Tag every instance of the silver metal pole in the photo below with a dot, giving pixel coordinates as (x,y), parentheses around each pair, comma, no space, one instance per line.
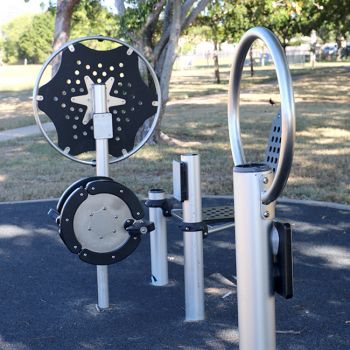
(100,106)
(158,241)
(193,242)
(256,302)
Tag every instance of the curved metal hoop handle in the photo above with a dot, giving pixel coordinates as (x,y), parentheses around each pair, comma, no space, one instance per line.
(287,107)
(68,45)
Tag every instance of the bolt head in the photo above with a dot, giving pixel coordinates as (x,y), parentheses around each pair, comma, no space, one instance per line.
(143,230)
(266,214)
(265,180)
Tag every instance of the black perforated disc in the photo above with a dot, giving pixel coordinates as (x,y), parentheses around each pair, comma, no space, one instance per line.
(274,143)
(66,99)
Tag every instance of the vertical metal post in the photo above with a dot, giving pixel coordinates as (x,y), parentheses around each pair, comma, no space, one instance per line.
(100,106)
(158,241)
(193,242)
(253,221)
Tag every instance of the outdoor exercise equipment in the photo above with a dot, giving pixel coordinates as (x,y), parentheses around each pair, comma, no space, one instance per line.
(99,100)
(263,246)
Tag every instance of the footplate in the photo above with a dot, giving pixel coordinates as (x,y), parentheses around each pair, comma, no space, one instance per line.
(211,214)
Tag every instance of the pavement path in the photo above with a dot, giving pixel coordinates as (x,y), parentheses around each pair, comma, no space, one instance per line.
(31,130)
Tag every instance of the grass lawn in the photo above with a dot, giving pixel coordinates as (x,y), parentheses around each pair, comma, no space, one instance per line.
(196,116)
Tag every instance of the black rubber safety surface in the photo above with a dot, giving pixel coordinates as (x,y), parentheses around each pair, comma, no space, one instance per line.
(48,295)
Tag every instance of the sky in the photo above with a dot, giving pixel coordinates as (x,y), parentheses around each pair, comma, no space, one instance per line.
(14,8)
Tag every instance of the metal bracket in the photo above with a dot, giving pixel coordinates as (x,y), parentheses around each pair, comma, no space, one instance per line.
(138,228)
(195,227)
(267,210)
(103,126)
(164,204)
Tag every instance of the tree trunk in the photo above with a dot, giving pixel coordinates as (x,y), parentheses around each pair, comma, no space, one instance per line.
(167,62)
(251,61)
(64,11)
(216,63)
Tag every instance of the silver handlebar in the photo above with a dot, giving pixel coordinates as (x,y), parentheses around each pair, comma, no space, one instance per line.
(287,107)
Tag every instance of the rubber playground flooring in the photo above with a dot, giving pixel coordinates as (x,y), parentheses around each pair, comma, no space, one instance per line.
(48,295)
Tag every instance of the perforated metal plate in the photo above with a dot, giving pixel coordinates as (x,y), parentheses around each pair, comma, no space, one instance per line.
(211,214)
(67,99)
(274,143)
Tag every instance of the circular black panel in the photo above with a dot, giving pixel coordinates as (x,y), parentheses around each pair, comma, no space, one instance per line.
(78,62)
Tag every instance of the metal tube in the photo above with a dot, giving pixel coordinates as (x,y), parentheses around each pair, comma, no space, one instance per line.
(253,221)
(193,242)
(102,286)
(220,227)
(158,241)
(100,106)
(287,106)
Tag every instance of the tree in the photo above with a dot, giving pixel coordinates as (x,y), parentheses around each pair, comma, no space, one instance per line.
(154,27)
(12,32)
(36,42)
(64,11)
(212,28)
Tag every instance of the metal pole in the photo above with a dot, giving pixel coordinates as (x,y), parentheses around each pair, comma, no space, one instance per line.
(193,242)
(100,106)
(256,302)
(158,241)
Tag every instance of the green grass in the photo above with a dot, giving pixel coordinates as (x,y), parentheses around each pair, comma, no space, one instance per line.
(196,117)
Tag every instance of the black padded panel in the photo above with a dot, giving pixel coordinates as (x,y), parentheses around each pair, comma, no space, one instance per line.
(274,143)
(99,66)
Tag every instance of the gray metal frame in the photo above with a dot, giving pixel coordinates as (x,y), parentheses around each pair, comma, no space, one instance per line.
(193,242)
(255,192)
(37,97)
(287,106)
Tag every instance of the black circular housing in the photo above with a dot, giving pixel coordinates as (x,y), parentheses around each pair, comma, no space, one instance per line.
(86,202)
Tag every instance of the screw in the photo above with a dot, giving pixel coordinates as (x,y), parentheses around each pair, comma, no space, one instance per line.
(104,208)
(266,214)
(114,231)
(89,228)
(265,180)
(101,237)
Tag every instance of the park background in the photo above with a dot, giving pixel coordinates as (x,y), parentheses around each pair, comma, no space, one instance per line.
(190,44)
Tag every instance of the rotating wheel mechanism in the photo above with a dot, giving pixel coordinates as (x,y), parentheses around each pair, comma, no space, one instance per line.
(104,102)
(100,220)
(132,97)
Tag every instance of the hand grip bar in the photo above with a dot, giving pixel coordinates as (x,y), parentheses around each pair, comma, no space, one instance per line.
(287,107)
